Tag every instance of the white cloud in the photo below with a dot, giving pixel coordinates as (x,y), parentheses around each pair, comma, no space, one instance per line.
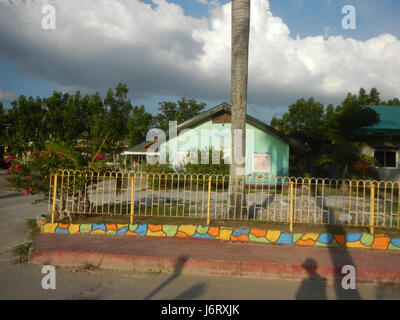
(6,96)
(160,51)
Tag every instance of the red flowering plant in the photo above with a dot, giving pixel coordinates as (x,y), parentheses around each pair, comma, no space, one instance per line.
(30,172)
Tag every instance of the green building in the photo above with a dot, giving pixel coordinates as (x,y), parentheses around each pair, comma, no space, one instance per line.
(385,145)
(267,150)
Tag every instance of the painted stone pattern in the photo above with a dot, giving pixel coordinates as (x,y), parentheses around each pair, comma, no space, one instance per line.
(40,221)
(352,240)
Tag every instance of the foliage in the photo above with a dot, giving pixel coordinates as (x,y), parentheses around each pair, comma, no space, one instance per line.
(139,124)
(63,119)
(30,172)
(3,129)
(181,111)
(21,252)
(27,125)
(159,167)
(69,129)
(118,109)
(210,168)
(331,135)
(84,122)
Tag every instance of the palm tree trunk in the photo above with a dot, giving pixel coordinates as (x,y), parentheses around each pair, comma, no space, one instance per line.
(239,76)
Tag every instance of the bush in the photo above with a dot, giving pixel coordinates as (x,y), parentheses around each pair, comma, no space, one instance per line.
(30,172)
(210,168)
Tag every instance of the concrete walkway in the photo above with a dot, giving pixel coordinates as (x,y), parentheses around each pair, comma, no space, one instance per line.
(15,209)
(212,257)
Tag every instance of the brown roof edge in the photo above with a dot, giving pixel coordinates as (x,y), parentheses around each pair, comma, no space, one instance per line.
(150,143)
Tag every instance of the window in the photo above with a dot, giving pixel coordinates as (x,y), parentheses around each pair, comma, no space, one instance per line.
(386,158)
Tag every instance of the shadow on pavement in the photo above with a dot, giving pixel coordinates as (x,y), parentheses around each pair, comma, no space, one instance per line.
(314,287)
(180,263)
(340,257)
(12,195)
(387,292)
(193,292)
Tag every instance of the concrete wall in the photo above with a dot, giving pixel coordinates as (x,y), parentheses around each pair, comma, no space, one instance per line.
(351,240)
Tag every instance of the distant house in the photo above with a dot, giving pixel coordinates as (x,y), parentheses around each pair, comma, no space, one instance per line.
(267,150)
(386,145)
(135,157)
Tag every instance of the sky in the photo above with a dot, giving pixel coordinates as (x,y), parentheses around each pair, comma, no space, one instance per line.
(167,49)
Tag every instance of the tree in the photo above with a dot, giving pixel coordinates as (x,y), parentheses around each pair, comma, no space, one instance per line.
(94,117)
(27,125)
(392,102)
(63,119)
(118,109)
(2,134)
(332,135)
(239,77)
(305,122)
(343,130)
(2,124)
(181,111)
(138,125)
(374,97)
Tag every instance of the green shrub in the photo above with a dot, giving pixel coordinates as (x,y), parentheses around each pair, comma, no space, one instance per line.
(210,168)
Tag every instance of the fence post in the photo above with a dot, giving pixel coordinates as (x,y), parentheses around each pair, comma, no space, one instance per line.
(132,198)
(291,206)
(53,210)
(209,201)
(372,205)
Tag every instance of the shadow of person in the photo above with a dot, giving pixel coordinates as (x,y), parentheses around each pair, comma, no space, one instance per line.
(193,292)
(340,257)
(313,287)
(178,267)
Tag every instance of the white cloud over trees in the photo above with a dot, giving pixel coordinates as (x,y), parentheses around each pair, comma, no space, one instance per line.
(158,50)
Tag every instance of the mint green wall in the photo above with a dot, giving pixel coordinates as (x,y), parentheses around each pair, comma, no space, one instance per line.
(263,143)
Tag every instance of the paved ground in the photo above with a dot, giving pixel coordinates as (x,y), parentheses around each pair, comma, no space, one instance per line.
(15,208)
(24,282)
(199,256)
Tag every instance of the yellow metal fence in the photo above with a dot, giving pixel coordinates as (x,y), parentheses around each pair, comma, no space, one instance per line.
(259,198)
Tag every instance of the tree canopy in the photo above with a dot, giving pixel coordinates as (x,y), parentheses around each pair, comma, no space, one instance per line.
(84,122)
(331,134)
(181,111)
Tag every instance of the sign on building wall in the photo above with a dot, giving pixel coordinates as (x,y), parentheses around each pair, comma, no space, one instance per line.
(261,163)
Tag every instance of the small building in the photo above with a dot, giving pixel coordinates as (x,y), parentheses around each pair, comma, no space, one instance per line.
(135,158)
(267,150)
(385,145)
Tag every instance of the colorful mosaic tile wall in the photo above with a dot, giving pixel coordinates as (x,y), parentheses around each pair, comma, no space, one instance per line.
(353,240)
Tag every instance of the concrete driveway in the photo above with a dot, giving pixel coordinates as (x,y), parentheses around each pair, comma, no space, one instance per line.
(15,208)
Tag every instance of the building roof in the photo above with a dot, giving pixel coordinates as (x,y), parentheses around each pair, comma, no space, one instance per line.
(389,119)
(249,119)
(140,149)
